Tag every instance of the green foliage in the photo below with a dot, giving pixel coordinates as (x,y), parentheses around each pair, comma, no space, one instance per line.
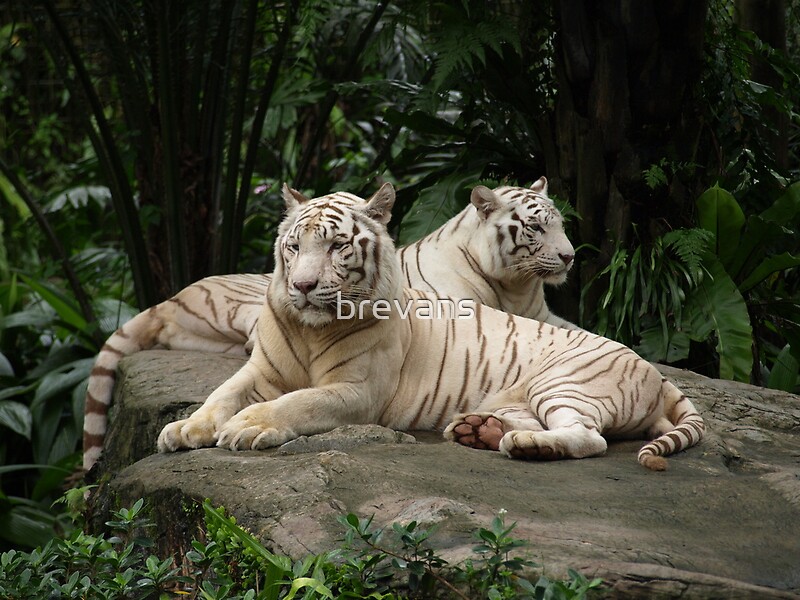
(47,348)
(231,564)
(494,573)
(756,255)
(647,291)
(708,286)
(464,40)
(82,565)
(740,113)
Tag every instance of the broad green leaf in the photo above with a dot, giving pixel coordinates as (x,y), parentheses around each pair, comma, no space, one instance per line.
(22,527)
(436,205)
(66,308)
(785,371)
(6,370)
(112,314)
(319,588)
(771,265)
(654,346)
(717,305)
(17,417)
(420,122)
(11,196)
(51,480)
(719,213)
(16,390)
(786,208)
(29,466)
(65,378)
(33,317)
(756,244)
(247,540)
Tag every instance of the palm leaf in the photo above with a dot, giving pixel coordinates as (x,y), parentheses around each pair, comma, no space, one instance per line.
(717,305)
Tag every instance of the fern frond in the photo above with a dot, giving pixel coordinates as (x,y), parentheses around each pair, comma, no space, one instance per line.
(690,245)
(496,32)
(462,41)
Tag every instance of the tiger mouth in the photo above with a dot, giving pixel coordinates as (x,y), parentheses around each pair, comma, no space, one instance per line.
(311,305)
(557,275)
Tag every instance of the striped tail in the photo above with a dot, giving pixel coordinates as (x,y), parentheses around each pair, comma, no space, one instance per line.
(683,428)
(140,333)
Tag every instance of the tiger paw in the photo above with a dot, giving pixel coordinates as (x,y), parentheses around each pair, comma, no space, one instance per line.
(188,433)
(532,445)
(482,431)
(246,431)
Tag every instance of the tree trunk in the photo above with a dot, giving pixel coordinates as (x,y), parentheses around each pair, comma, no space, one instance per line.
(767,19)
(624,72)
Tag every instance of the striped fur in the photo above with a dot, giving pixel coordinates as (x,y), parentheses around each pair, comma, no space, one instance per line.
(499,251)
(217,314)
(552,393)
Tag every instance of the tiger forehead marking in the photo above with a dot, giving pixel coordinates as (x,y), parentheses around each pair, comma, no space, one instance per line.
(330,249)
(529,234)
(324,215)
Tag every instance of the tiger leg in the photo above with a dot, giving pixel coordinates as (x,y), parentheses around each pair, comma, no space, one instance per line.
(203,427)
(568,434)
(484,430)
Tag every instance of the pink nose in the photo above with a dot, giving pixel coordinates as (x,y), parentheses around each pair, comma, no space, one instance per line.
(305,286)
(567,258)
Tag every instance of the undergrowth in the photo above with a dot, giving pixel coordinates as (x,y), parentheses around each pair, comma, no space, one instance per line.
(390,564)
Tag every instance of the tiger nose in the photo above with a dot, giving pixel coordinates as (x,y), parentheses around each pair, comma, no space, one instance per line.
(567,258)
(305,286)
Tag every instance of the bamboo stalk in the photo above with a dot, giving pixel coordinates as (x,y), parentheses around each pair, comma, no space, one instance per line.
(109,156)
(168,78)
(258,124)
(226,258)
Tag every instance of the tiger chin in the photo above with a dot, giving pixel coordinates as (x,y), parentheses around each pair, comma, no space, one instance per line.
(498,382)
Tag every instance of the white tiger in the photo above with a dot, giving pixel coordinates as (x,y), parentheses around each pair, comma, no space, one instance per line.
(498,251)
(516,385)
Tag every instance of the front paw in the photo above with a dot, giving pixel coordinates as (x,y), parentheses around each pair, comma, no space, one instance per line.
(188,433)
(246,431)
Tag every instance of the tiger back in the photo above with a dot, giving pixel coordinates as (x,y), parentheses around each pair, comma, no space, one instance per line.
(500,251)
(411,360)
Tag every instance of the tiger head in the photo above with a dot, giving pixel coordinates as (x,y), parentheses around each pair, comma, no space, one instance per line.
(523,233)
(331,247)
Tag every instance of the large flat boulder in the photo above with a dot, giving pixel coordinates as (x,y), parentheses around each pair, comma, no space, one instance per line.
(722,522)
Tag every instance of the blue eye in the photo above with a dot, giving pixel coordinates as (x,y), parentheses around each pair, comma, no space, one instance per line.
(292,246)
(536,227)
(336,246)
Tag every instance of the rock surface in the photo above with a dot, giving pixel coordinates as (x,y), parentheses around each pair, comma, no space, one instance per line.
(722,522)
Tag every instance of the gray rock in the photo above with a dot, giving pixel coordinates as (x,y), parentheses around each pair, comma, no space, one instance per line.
(722,522)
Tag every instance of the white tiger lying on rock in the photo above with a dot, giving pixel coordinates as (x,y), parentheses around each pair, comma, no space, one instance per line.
(552,393)
(499,251)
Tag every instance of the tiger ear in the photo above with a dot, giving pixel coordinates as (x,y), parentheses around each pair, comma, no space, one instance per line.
(292,198)
(485,200)
(540,186)
(379,205)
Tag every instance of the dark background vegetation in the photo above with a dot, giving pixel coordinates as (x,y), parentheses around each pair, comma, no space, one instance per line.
(144,143)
